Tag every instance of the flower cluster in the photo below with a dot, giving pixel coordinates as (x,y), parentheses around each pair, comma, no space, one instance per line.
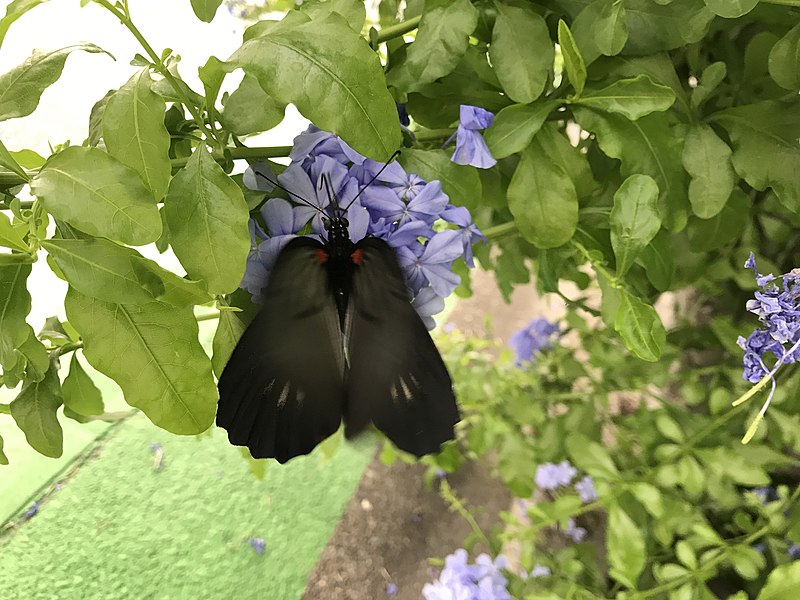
(461,581)
(257,544)
(550,476)
(778,309)
(399,207)
(532,339)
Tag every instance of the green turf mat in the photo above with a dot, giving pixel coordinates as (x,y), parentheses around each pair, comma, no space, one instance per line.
(121,529)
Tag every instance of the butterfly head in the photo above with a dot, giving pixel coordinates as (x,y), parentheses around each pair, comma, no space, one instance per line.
(336,227)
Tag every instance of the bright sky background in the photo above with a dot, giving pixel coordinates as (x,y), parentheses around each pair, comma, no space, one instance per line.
(63,113)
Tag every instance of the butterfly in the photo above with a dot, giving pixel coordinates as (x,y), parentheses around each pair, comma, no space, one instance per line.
(336,339)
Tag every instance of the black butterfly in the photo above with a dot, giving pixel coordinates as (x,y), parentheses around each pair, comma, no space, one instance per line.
(336,339)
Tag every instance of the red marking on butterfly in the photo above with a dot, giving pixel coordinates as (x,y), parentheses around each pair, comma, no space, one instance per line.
(357,256)
(322,256)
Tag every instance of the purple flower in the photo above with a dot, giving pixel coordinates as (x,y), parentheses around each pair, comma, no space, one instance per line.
(765,494)
(573,532)
(540,571)
(532,339)
(794,551)
(471,149)
(550,476)
(259,176)
(257,544)
(778,310)
(470,234)
(391,590)
(585,489)
(461,581)
(426,206)
(427,304)
(433,263)
(31,512)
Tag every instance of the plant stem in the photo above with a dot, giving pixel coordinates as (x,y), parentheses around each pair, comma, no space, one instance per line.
(62,350)
(456,505)
(388,33)
(5,409)
(498,231)
(125,19)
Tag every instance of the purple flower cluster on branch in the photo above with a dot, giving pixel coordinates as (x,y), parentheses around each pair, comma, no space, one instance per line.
(532,339)
(462,581)
(471,148)
(398,207)
(778,310)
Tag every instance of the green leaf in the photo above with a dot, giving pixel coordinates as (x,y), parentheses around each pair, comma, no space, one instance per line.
(782,583)
(10,260)
(632,98)
(723,228)
(461,183)
(521,51)
(80,393)
(610,30)
(557,147)
(229,329)
(11,236)
(634,219)
(15,304)
(205,9)
(648,146)
(573,61)
(784,60)
(441,41)
(178,290)
(211,75)
(650,497)
(207,219)
(333,78)
(731,9)
(708,160)
(657,260)
(134,132)
(97,194)
(712,76)
(353,11)
(22,86)
(625,547)
(14,11)
(766,152)
(514,127)
(3,457)
(36,357)
(669,428)
(163,370)
(28,159)
(640,327)
(96,119)
(736,465)
(105,270)
(249,109)
(542,198)
(654,27)
(591,457)
(7,161)
(34,411)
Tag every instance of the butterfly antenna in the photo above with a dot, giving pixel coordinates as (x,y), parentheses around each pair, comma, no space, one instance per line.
(331,196)
(369,183)
(296,197)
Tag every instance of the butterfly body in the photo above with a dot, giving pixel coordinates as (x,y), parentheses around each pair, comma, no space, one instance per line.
(336,340)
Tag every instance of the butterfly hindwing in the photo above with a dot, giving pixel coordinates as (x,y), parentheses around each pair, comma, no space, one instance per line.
(396,377)
(282,391)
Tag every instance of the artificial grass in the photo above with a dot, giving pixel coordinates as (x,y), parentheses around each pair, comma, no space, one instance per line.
(121,529)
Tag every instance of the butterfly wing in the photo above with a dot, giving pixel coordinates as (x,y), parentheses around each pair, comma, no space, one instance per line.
(282,391)
(396,377)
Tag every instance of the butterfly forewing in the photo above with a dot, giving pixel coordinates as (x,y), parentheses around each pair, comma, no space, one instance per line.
(282,391)
(397,378)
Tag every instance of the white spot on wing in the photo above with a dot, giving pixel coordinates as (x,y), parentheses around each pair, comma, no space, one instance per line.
(284,395)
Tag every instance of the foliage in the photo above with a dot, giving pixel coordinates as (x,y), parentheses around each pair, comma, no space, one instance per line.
(644,147)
